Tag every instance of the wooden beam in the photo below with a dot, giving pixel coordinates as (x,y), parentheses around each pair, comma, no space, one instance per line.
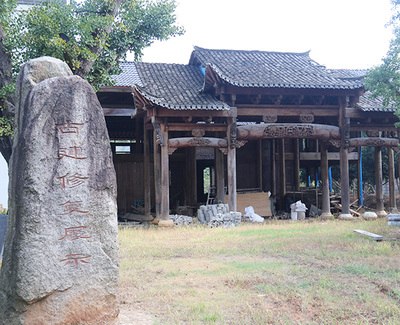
(331,156)
(368,126)
(197,142)
(165,112)
(192,126)
(373,142)
(287,130)
(285,110)
(119,111)
(353,112)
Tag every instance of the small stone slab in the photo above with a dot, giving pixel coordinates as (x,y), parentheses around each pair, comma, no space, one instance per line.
(369,215)
(369,234)
(394,223)
(3,229)
(393,217)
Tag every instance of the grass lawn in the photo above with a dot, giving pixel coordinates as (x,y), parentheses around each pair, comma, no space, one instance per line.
(317,272)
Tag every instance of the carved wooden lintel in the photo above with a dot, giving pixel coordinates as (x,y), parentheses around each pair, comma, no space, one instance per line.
(197,142)
(373,133)
(288,130)
(373,142)
(306,118)
(270,118)
(159,136)
(198,133)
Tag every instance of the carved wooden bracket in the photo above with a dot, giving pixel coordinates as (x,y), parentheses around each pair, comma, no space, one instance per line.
(335,143)
(159,136)
(306,118)
(240,143)
(198,133)
(373,133)
(171,150)
(224,150)
(270,118)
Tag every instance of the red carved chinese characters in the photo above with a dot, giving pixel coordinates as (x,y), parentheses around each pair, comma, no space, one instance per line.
(69,127)
(70,207)
(73,260)
(71,152)
(74,233)
(71,181)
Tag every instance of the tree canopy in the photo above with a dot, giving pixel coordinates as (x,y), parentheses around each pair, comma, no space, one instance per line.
(384,80)
(91,36)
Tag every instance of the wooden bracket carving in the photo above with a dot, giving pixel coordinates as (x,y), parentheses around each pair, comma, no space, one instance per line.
(270,118)
(335,143)
(171,150)
(159,136)
(373,133)
(224,150)
(232,135)
(198,133)
(306,118)
(240,143)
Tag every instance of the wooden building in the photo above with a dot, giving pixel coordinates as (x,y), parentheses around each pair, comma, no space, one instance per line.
(252,119)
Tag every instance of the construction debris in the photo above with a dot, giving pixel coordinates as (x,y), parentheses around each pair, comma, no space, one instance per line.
(369,234)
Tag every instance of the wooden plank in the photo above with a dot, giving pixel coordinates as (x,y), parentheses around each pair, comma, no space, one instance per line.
(369,234)
(259,201)
(118,111)
(248,110)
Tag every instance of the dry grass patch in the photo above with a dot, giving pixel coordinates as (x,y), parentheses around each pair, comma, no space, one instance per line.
(273,273)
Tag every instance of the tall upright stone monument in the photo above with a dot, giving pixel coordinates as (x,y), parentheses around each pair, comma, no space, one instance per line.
(60,263)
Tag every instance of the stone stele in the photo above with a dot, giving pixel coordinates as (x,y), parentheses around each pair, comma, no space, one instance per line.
(60,263)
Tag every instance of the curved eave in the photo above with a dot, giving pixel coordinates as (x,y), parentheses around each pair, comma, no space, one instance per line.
(213,74)
(162,102)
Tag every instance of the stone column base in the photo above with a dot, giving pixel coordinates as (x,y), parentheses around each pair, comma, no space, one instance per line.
(156,221)
(326,216)
(346,216)
(166,223)
(381,214)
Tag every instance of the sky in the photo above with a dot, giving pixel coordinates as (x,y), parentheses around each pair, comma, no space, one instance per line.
(341,34)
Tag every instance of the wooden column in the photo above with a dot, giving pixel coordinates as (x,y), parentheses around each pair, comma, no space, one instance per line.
(220,175)
(157,176)
(147,192)
(273,168)
(344,161)
(380,209)
(231,162)
(296,165)
(191,177)
(326,205)
(165,221)
(359,176)
(392,191)
(282,174)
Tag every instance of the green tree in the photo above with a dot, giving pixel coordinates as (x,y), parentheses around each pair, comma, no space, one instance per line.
(384,80)
(91,36)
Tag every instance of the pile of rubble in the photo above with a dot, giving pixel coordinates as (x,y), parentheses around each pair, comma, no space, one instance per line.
(181,220)
(218,215)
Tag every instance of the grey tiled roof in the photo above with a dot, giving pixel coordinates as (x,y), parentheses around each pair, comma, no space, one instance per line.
(271,69)
(369,104)
(175,86)
(129,75)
